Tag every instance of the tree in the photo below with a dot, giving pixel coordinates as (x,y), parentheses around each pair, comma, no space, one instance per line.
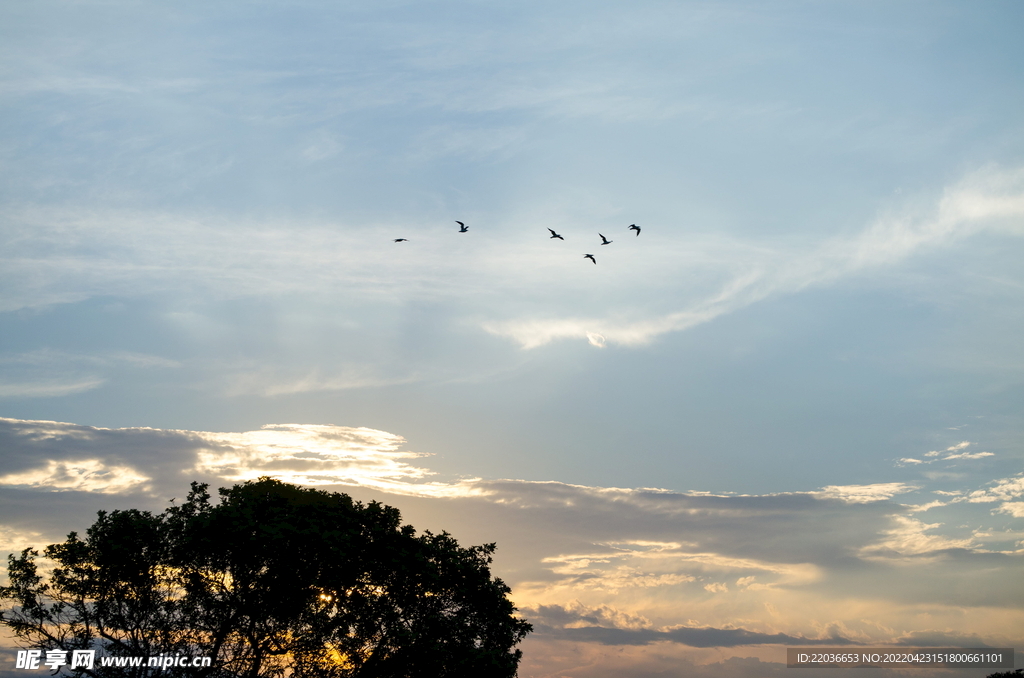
(274,580)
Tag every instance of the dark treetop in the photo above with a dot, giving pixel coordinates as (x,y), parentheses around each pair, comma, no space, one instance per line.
(273,580)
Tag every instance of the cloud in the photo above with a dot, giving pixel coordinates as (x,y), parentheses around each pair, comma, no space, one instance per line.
(83,475)
(969,455)
(908,538)
(596,566)
(861,494)
(1013,508)
(936,638)
(13,539)
(271,382)
(951,448)
(951,453)
(321,455)
(920,508)
(599,625)
(989,199)
(48,388)
(54,256)
(1003,489)
(48,373)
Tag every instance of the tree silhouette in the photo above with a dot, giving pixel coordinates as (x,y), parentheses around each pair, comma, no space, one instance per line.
(273,580)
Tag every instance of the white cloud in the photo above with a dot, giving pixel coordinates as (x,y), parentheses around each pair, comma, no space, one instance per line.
(638,565)
(84,475)
(953,452)
(1004,489)
(321,455)
(952,448)
(969,455)
(929,506)
(861,494)
(1013,508)
(908,538)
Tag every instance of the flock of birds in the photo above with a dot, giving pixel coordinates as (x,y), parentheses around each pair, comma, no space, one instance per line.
(604,241)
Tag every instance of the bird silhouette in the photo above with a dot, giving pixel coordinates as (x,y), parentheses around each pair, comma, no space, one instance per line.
(555,235)
(462,226)
(634,227)
(604,240)
(591,257)
(401,240)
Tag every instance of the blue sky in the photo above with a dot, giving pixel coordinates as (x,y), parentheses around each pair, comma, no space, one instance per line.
(824,303)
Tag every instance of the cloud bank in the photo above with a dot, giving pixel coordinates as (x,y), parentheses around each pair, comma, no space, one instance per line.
(594,567)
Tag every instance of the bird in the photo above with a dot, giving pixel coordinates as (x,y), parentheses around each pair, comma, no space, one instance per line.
(462,226)
(591,257)
(634,227)
(555,235)
(605,241)
(401,240)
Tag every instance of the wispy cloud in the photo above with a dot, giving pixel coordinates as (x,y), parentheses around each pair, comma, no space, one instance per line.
(952,453)
(271,382)
(52,256)
(48,373)
(988,199)
(48,388)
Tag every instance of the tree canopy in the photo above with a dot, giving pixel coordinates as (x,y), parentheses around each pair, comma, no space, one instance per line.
(272,580)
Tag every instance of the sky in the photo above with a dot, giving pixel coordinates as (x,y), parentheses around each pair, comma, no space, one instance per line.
(790,410)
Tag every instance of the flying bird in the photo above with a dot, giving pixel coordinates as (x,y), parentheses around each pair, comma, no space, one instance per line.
(604,240)
(634,227)
(591,257)
(462,226)
(401,240)
(555,235)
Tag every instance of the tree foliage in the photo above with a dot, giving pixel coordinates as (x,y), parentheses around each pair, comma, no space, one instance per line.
(274,580)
